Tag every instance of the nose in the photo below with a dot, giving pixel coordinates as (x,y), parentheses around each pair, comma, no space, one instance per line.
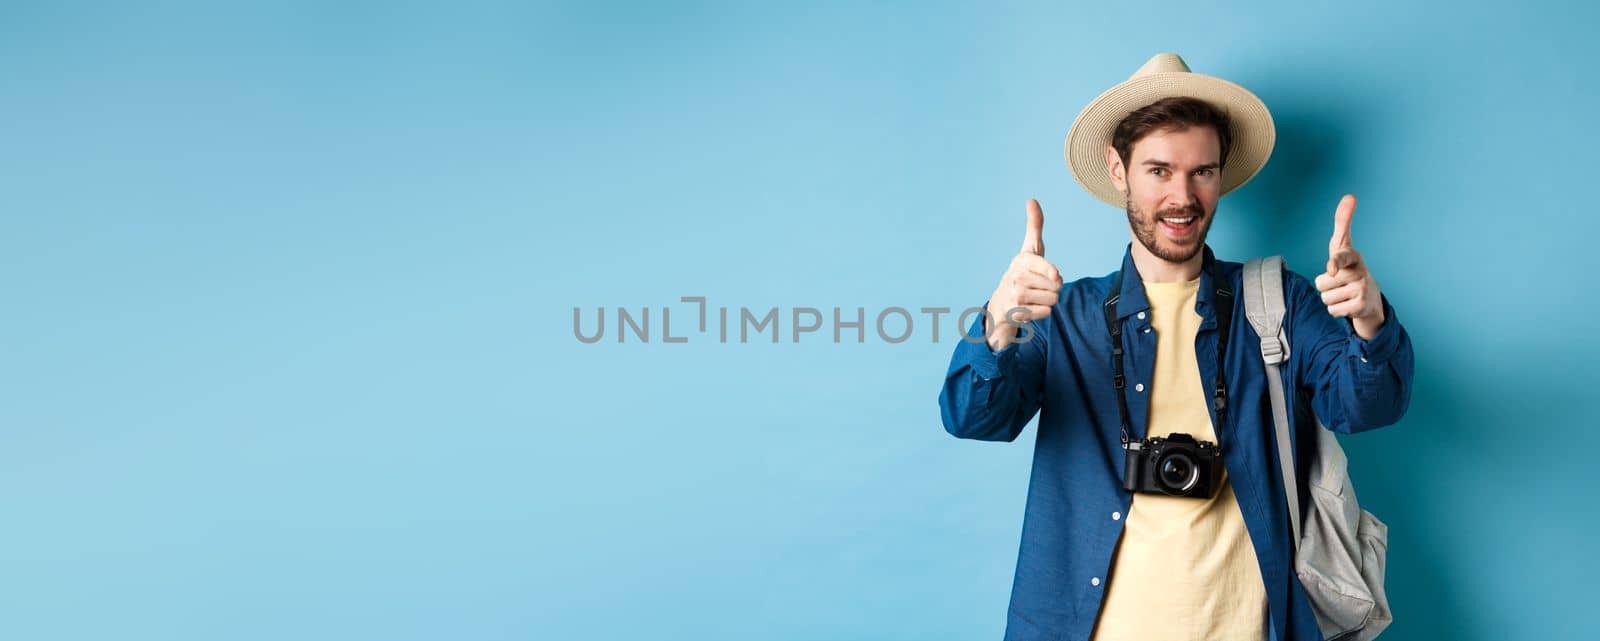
(1183,194)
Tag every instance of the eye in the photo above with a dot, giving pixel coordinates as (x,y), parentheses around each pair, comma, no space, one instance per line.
(1203,172)
(1159,171)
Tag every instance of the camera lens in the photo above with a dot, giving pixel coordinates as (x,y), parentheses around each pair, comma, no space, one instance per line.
(1178,473)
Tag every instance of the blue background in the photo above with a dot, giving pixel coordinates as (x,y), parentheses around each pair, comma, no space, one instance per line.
(288,288)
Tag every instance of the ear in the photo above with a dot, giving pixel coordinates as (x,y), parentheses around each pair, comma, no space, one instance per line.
(1119,177)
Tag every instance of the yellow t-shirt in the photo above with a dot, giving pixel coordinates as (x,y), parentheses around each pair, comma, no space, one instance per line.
(1184,568)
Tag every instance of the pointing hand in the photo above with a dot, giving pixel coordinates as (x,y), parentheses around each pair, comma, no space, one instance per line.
(1347,287)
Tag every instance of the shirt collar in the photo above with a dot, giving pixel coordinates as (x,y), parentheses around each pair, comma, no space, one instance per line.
(1132,299)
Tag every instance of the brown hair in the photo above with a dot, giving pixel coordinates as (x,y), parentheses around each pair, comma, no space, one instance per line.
(1175,114)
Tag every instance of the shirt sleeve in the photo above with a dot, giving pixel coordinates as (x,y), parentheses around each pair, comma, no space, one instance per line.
(988,395)
(1355,384)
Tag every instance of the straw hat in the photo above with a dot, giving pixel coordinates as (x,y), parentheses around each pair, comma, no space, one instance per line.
(1166,75)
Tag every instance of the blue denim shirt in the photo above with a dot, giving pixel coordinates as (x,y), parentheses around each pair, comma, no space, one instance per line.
(1063,372)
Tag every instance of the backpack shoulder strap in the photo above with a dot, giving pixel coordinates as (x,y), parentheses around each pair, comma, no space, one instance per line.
(1263,304)
(1263,278)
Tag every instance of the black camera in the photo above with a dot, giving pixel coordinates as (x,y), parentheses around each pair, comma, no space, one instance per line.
(1177,465)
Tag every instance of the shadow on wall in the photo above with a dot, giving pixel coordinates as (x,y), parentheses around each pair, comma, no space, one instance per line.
(1395,484)
(1290,211)
(1286,211)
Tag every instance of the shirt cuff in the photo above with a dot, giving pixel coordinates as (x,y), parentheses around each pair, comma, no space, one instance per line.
(1383,344)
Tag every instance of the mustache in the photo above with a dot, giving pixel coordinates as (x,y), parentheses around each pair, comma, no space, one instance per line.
(1180,212)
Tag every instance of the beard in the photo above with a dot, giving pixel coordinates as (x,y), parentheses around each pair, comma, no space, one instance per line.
(1145,229)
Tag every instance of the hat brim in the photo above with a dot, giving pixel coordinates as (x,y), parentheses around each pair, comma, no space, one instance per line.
(1090,135)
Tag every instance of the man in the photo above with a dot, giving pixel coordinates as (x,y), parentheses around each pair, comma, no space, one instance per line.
(1097,559)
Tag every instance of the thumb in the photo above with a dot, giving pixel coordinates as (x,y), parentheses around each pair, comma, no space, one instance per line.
(1341,224)
(1033,242)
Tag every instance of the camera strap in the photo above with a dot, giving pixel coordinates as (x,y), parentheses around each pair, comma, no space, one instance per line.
(1223,304)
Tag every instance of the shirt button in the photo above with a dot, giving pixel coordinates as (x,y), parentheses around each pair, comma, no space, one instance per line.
(1139,387)
(1094,581)
(1363,359)
(1141,315)
(1116,516)
(1147,330)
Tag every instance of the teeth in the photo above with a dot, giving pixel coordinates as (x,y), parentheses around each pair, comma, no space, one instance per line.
(1179,221)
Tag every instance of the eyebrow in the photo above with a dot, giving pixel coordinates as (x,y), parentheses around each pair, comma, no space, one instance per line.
(1163,163)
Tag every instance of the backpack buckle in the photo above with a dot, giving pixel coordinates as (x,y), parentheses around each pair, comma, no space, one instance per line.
(1275,349)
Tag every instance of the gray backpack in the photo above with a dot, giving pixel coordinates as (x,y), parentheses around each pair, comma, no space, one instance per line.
(1341,554)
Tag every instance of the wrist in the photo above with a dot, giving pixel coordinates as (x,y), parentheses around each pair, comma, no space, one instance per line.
(1367,327)
(997,332)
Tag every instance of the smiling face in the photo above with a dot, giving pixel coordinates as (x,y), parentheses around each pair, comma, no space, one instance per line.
(1172,181)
